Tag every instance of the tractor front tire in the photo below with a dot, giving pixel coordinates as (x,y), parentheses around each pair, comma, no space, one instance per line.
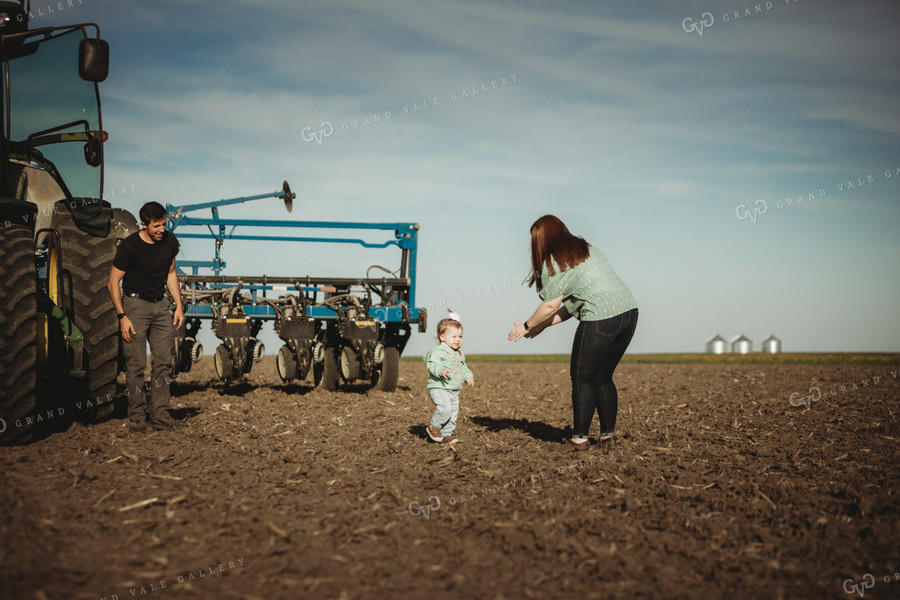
(18,335)
(88,259)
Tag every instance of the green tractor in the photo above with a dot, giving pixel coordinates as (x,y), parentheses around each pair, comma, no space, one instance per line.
(59,342)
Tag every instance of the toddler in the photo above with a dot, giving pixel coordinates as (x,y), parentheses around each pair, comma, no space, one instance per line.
(447,371)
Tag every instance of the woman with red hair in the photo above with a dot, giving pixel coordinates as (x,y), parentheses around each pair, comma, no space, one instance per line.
(574,279)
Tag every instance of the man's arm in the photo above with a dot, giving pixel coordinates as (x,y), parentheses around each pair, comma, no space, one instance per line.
(175,292)
(115,293)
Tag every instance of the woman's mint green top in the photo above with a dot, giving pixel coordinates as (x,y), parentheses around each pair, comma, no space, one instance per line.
(591,290)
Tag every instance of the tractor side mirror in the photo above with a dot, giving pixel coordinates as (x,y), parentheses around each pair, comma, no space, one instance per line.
(93,152)
(93,59)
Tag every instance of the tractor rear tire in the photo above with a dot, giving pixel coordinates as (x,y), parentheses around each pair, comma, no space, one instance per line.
(88,259)
(390,370)
(18,335)
(327,372)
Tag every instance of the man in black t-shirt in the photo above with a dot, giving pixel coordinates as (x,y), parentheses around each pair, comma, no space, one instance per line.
(146,261)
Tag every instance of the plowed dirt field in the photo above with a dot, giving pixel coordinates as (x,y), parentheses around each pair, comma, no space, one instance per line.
(721,487)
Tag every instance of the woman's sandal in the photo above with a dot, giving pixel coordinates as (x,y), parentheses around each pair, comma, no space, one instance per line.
(607,444)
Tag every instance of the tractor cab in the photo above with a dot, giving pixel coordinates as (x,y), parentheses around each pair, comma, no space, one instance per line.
(52,140)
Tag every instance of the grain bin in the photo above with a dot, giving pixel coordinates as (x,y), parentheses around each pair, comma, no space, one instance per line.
(741,345)
(716,345)
(771,345)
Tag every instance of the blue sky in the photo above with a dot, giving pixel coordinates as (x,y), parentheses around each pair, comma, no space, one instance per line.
(646,137)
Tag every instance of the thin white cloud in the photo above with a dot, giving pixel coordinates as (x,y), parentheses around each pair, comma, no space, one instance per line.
(615,108)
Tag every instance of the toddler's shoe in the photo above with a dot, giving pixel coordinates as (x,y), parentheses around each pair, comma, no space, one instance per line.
(434,434)
(449,439)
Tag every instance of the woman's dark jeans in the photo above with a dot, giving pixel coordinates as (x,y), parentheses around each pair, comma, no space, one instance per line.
(596,351)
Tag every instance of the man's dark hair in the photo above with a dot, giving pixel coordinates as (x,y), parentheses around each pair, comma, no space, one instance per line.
(152,211)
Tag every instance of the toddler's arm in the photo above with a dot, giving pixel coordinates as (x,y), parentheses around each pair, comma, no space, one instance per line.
(435,365)
(466,373)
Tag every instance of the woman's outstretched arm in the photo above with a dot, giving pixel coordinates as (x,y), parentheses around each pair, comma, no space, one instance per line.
(561,315)
(544,312)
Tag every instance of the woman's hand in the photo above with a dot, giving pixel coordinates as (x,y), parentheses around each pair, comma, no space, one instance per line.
(544,315)
(517,332)
(537,329)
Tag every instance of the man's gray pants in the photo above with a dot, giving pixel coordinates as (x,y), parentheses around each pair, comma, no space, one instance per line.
(152,322)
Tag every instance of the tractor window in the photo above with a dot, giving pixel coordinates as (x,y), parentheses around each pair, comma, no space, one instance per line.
(46,93)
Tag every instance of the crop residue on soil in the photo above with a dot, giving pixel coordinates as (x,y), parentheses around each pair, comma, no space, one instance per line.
(721,486)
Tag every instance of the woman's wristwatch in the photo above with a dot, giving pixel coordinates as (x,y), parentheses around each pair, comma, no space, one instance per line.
(525,324)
